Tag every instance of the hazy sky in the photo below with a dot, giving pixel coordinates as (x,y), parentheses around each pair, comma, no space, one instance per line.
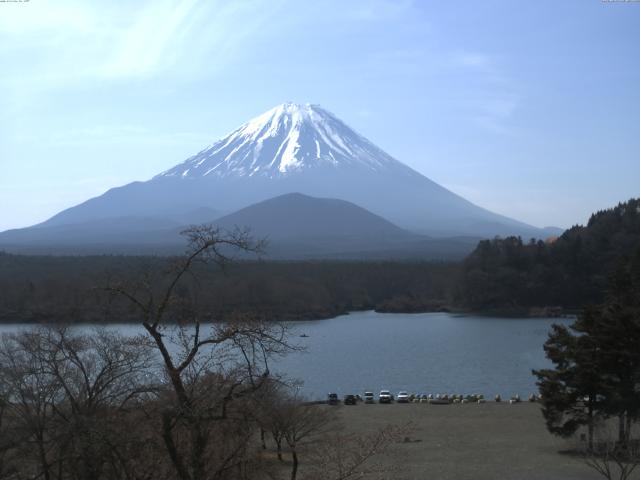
(529,108)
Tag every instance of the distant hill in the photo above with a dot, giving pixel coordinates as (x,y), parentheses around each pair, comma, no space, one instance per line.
(297,216)
(571,271)
(296,226)
(300,226)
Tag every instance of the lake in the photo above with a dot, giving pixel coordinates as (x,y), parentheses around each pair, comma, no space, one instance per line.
(421,353)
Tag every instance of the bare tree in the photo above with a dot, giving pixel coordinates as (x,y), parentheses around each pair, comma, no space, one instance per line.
(611,458)
(303,423)
(270,413)
(612,461)
(99,376)
(66,394)
(311,434)
(208,368)
(292,422)
(28,399)
(350,456)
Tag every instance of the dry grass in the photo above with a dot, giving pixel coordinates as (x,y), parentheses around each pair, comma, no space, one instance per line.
(487,441)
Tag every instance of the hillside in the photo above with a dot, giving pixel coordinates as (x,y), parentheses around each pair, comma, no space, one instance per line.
(296,226)
(570,272)
(295,215)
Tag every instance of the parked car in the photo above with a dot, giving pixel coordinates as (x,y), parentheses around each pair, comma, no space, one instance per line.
(368,397)
(403,397)
(349,399)
(332,399)
(385,396)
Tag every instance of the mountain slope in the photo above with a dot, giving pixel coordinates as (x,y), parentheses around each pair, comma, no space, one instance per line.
(296,226)
(298,148)
(132,234)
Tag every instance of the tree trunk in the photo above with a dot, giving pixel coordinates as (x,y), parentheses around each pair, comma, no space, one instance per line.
(621,429)
(627,437)
(294,465)
(590,426)
(43,457)
(176,458)
(264,445)
(198,447)
(278,447)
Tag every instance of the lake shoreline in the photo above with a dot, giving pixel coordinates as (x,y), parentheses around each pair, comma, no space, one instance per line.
(423,353)
(516,313)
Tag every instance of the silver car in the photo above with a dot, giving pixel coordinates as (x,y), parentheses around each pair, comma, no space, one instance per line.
(403,397)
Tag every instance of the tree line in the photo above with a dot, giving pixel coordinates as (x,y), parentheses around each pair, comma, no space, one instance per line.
(570,271)
(67,289)
(501,275)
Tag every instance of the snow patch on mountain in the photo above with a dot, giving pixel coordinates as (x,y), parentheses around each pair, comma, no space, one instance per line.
(286,139)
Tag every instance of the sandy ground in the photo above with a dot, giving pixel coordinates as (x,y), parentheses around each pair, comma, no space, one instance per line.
(486,441)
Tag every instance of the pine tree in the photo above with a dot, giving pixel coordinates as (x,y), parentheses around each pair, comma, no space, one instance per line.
(571,391)
(596,361)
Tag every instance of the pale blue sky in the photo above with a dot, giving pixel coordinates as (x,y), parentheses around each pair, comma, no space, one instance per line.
(530,109)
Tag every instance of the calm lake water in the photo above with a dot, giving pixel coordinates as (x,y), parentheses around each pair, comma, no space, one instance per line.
(421,353)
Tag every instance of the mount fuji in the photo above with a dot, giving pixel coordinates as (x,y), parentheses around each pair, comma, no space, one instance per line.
(290,148)
(288,140)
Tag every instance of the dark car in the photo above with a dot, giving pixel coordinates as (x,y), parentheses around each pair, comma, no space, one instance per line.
(350,399)
(332,399)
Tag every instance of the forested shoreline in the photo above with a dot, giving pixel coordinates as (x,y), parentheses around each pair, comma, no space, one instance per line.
(72,289)
(506,276)
(571,271)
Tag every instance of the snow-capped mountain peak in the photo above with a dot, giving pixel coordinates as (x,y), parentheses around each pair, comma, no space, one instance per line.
(293,148)
(287,139)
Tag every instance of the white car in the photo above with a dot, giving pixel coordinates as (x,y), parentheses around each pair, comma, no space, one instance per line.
(368,397)
(403,397)
(385,396)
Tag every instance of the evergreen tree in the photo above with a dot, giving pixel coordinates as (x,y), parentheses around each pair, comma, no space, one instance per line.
(596,361)
(571,391)
(618,333)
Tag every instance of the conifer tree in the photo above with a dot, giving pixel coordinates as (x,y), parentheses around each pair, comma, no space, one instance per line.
(596,361)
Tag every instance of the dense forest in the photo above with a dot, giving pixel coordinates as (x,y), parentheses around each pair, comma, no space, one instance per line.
(569,272)
(508,275)
(72,289)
